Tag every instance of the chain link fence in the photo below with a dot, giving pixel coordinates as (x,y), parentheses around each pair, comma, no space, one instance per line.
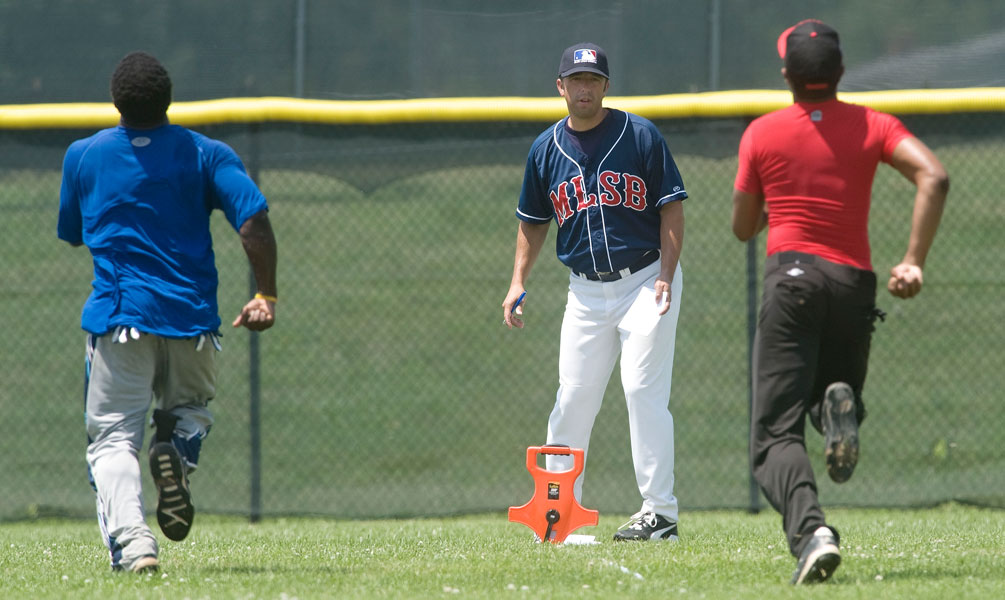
(65,50)
(389,387)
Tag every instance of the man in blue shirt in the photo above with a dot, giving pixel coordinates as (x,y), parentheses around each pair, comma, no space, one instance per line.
(139,196)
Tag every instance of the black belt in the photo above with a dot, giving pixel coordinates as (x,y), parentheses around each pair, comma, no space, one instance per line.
(644,261)
(790,256)
(846,273)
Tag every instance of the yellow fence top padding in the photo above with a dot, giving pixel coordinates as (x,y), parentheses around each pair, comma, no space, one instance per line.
(427,110)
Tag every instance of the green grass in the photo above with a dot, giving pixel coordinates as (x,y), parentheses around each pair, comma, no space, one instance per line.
(950,551)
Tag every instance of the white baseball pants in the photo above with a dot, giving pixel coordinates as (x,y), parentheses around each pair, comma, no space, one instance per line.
(123,380)
(592,339)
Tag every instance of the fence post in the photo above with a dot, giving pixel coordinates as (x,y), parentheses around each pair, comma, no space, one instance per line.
(755,497)
(714,43)
(300,49)
(254,373)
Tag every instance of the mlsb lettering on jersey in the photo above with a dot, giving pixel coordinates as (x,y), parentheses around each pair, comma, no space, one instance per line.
(615,189)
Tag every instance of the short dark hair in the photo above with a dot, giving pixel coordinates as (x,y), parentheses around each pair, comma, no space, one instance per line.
(141,89)
(814,69)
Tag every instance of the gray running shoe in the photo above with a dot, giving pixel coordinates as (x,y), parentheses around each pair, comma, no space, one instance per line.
(145,564)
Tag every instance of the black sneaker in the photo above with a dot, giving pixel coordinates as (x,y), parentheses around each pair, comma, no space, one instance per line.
(819,560)
(647,526)
(174,503)
(841,430)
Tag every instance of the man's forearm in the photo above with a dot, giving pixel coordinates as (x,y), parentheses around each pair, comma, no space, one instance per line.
(529,241)
(671,236)
(260,246)
(928,207)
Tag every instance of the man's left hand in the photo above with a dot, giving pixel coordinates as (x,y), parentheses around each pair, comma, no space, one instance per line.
(663,294)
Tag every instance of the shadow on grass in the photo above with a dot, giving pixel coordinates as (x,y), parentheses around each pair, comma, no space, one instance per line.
(303,568)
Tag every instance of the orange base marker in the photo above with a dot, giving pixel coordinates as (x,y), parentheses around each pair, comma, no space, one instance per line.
(553,512)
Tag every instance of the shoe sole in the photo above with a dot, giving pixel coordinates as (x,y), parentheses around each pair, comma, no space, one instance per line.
(841,428)
(820,565)
(655,537)
(174,503)
(669,538)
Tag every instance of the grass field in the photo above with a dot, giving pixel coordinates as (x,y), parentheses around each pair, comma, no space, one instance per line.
(389,387)
(951,551)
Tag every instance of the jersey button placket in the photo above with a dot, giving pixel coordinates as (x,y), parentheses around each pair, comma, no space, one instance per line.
(597,235)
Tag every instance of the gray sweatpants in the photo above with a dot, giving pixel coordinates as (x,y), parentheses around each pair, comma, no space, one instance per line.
(125,375)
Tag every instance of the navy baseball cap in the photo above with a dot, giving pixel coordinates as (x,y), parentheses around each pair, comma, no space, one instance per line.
(812,53)
(584,57)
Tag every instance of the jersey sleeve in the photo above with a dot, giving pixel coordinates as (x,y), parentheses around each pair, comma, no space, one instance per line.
(534,205)
(233,190)
(663,169)
(70,226)
(747,178)
(894,132)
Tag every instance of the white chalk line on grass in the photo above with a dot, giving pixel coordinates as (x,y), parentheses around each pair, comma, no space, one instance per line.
(591,540)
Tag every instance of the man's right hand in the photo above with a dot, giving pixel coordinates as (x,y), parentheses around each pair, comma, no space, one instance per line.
(511,318)
(905,280)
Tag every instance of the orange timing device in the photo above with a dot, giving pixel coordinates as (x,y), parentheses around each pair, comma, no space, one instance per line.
(553,513)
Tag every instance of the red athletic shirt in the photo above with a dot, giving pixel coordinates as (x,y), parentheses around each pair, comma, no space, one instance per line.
(814,162)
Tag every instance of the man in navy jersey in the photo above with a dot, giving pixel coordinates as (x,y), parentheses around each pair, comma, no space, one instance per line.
(607,179)
(139,196)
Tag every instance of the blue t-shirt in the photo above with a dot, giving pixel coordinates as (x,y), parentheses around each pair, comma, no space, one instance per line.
(140,200)
(607,204)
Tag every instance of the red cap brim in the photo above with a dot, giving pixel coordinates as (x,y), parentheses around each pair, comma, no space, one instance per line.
(782,39)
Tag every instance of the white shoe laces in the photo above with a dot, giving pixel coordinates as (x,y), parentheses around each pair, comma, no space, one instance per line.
(640,519)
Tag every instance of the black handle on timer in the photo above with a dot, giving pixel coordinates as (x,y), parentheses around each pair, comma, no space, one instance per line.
(552,517)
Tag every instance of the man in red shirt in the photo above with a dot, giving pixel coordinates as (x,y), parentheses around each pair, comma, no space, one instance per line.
(806,172)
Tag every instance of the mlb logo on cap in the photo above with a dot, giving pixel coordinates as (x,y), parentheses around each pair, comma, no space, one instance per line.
(585,55)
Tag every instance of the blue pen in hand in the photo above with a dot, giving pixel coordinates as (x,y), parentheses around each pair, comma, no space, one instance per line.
(518,301)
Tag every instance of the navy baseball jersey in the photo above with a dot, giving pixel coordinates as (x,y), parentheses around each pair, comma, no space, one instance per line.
(607,202)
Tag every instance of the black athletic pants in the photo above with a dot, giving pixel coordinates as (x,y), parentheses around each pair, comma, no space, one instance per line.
(814,329)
